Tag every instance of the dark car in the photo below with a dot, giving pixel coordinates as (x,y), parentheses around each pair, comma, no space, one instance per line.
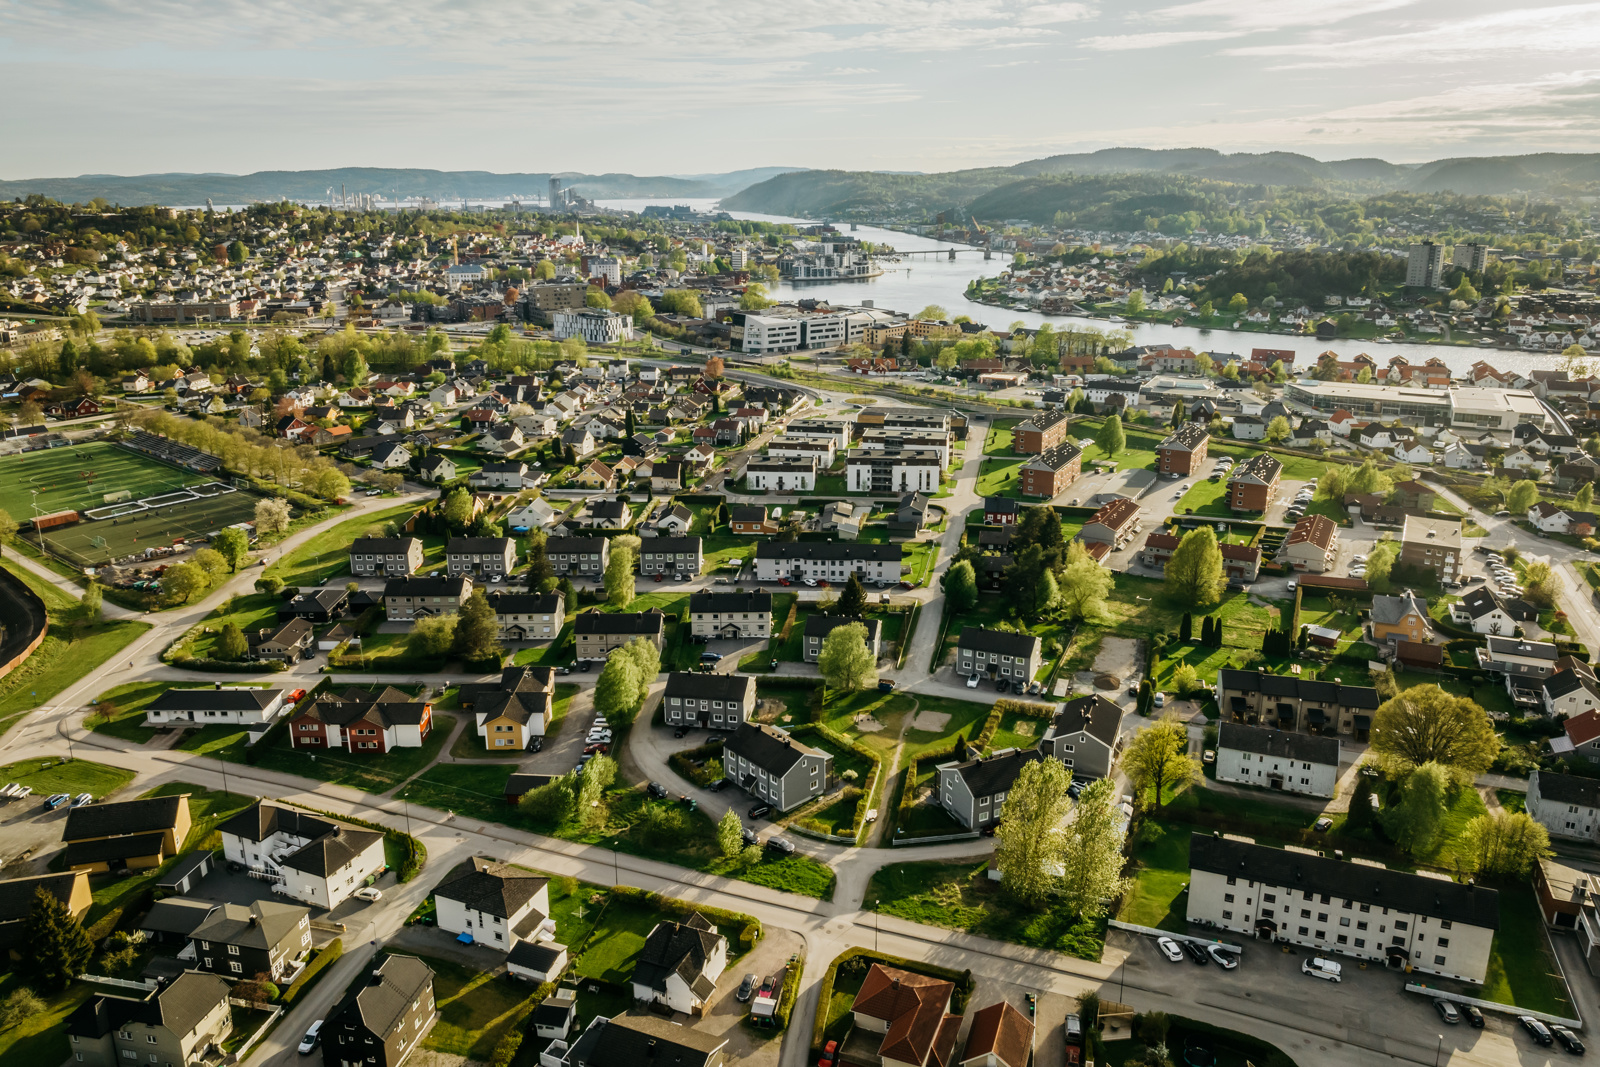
(1536,1029)
(1474,1016)
(536,745)
(717,786)
(1075,790)
(1002,686)
(778,844)
(758,811)
(1195,952)
(747,989)
(710,657)
(1568,1039)
(1019,687)
(680,731)
(657,790)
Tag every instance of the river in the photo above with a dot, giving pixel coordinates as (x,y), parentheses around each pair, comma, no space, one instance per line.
(913,284)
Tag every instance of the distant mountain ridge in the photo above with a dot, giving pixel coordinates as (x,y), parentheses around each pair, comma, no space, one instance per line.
(312,185)
(819,192)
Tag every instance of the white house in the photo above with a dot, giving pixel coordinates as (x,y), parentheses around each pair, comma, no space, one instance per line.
(1458,456)
(679,965)
(495,905)
(308,858)
(1485,612)
(1249,428)
(1278,759)
(536,514)
(781,475)
(1567,805)
(1571,691)
(1523,460)
(389,456)
(198,707)
(1549,518)
(1413,451)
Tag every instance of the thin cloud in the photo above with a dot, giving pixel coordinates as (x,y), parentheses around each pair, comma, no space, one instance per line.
(1127,42)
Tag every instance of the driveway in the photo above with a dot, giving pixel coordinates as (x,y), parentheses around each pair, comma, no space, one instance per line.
(724,1016)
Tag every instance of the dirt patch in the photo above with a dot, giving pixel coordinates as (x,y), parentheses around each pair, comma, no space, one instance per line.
(867,724)
(1117,658)
(931,722)
(768,710)
(1106,681)
(1024,727)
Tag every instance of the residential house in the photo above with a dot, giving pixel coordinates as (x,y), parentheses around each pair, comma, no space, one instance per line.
(125,835)
(361,721)
(819,626)
(1000,511)
(974,791)
(714,701)
(751,520)
(507,475)
(493,904)
(679,964)
(580,440)
(1311,545)
(528,616)
(1567,805)
(436,468)
(578,557)
(1287,702)
(536,514)
(418,598)
(597,475)
(17,900)
(1000,1036)
(291,641)
(671,556)
(383,1018)
(1184,450)
(1248,428)
(233,705)
(598,633)
(1277,759)
(911,513)
(390,557)
(780,475)
(1253,483)
(1329,905)
(319,604)
(181,1024)
(774,768)
(639,1037)
(317,860)
(1571,690)
(510,715)
(1085,735)
(997,654)
(1113,524)
(1433,545)
(390,455)
(1048,473)
(1580,737)
(237,941)
(912,1012)
(484,558)
(1400,618)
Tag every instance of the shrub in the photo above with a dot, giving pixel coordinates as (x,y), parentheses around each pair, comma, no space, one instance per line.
(325,958)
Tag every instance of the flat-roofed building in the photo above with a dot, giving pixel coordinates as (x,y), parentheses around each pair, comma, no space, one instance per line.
(1433,545)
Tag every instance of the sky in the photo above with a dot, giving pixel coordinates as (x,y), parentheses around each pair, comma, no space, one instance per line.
(673,87)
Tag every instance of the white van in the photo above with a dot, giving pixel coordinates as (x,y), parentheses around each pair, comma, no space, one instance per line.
(1320,968)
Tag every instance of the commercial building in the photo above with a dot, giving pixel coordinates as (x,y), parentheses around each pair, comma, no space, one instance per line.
(1433,545)
(1497,411)
(830,561)
(1357,909)
(596,326)
(1051,471)
(1277,759)
(1184,450)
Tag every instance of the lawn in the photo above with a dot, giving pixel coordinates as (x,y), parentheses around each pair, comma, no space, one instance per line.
(130,701)
(1017,731)
(79,478)
(964,717)
(998,477)
(1205,498)
(251,612)
(328,553)
(40,1038)
(998,441)
(1520,965)
(1161,870)
(475,1010)
(961,896)
(919,558)
(992,608)
(66,654)
(56,775)
(882,715)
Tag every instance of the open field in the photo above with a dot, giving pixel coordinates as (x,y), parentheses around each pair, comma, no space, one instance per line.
(328,553)
(184,519)
(54,480)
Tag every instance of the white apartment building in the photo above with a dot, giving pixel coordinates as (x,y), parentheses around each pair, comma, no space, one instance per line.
(892,471)
(780,475)
(1567,805)
(827,561)
(597,326)
(785,446)
(1278,759)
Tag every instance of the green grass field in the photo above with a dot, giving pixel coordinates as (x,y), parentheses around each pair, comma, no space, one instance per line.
(54,480)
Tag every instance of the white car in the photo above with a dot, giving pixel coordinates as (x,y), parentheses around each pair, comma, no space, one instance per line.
(972,681)
(1169,948)
(811,582)
(309,1042)
(366,892)
(1358,559)
(1222,957)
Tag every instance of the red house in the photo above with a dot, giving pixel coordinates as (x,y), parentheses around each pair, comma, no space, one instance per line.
(364,721)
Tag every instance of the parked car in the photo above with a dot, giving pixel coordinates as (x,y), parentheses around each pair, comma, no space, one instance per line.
(1222,957)
(678,732)
(747,989)
(1002,686)
(1327,970)
(656,790)
(778,844)
(972,681)
(759,811)
(309,1042)
(710,657)
(1447,1011)
(1568,1039)
(1169,948)
(55,800)
(1196,953)
(1536,1029)
(366,892)
(1474,1016)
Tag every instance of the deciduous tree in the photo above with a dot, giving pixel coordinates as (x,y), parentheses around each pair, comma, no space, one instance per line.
(616,692)
(730,834)
(1030,840)
(1278,429)
(1091,858)
(619,578)
(646,662)
(1158,757)
(272,515)
(1425,724)
(1505,844)
(231,643)
(1424,797)
(1194,571)
(1522,496)
(961,586)
(1111,439)
(233,545)
(431,638)
(182,582)
(845,661)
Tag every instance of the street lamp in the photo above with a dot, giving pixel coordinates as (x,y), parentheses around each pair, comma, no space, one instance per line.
(877,922)
(1437,1051)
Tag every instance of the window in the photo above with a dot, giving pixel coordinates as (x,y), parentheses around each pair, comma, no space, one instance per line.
(234,967)
(233,950)
(1400,941)
(1305,913)
(1361,926)
(1444,924)
(1438,961)
(1366,908)
(1304,931)
(1227,898)
(1444,942)
(1343,921)
(1326,898)
(1232,880)
(1343,939)
(1322,916)
(1322,935)
(1227,915)
(1400,924)
(1270,898)
(150,1038)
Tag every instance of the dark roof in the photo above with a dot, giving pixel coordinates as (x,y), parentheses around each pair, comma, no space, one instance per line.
(541,956)
(1053,459)
(677,545)
(1094,715)
(264,924)
(177,915)
(723,602)
(818,625)
(331,845)
(1262,467)
(620,622)
(179,1007)
(769,748)
(451,586)
(1000,505)
(496,888)
(525,603)
(1188,437)
(710,686)
(632,1039)
(1279,743)
(106,849)
(1516,646)
(676,948)
(828,550)
(1433,897)
(1004,642)
(1569,788)
(564,545)
(748,513)
(208,699)
(381,1001)
(1353,696)
(490,545)
(1481,601)
(124,817)
(986,777)
(16,894)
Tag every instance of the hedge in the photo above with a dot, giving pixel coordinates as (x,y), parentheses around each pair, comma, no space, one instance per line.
(321,961)
(226,666)
(416,851)
(958,1001)
(506,1051)
(787,681)
(103,926)
(870,787)
(681,762)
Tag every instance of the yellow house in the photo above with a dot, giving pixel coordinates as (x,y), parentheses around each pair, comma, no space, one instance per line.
(133,834)
(934,328)
(1400,618)
(597,476)
(508,722)
(16,901)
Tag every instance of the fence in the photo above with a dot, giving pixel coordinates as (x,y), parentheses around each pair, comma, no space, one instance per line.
(1490,1005)
(897,842)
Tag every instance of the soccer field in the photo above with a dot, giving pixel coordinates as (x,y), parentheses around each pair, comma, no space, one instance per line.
(79,477)
(93,543)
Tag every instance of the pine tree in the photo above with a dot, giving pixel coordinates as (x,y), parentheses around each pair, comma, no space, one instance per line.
(54,949)
(853,601)
(1186,628)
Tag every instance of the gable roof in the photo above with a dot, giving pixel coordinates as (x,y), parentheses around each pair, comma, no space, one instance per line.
(210,699)
(1000,1031)
(1389,610)
(1093,715)
(641,1038)
(1115,514)
(683,949)
(768,747)
(151,815)
(987,776)
(1568,788)
(1280,743)
(495,888)
(913,1006)
(1318,530)
(179,1007)
(263,924)
(379,1004)
(1480,602)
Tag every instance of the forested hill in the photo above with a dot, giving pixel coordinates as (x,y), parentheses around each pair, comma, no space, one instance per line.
(988,193)
(310,185)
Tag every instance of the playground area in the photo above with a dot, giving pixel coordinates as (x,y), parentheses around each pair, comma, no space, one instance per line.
(84,476)
(131,504)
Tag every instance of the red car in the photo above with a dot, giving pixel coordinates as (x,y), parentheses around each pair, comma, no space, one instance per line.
(658,577)
(784,581)
(601,748)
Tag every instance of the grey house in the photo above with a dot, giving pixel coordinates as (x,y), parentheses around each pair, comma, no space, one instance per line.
(997,654)
(418,598)
(481,557)
(1085,736)
(730,615)
(718,701)
(175,1024)
(241,942)
(382,1019)
(974,792)
(820,626)
(598,632)
(390,557)
(774,768)
(670,555)
(578,557)
(529,616)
